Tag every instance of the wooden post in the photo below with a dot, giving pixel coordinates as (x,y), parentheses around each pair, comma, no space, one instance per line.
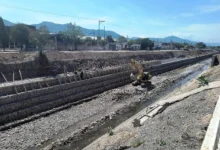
(16,91)
(4,77)
(13,76)
(39,85)
(47,84)
(20,74)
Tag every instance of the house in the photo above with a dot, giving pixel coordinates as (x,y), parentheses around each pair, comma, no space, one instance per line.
(167,46)
(124,45)
(135,47)
(157,45)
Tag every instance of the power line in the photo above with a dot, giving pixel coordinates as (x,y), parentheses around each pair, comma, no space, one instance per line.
(56,14)
(51,13)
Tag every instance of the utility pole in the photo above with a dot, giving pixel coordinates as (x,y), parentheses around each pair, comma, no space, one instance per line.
(100,21)
(104,32)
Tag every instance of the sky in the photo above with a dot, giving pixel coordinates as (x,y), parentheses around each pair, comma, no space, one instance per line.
(197,20)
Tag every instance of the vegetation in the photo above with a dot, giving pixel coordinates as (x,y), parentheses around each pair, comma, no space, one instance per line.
(200,45)
(131,42)
(122,39)
(138,41)
(161,142)
(102,42)
(4,37)
(43,60)
(179,45)
(146,43)
(19,34)
(110,131)
(109,39)
(73,35)
(40,37)
(203,81)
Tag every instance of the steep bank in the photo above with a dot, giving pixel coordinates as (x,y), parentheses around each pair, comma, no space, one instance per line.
(11,64)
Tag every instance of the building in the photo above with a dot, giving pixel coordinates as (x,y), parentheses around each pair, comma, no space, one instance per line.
(135,47)
(157,45)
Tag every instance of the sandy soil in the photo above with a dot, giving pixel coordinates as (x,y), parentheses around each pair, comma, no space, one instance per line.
(65,122)
(181,126)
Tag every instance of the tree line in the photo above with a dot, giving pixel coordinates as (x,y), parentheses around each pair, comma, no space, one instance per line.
(22,34)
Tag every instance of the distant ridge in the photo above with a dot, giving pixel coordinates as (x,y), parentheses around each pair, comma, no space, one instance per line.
(55,28)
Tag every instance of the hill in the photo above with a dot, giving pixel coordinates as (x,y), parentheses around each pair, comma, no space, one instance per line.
(55,28)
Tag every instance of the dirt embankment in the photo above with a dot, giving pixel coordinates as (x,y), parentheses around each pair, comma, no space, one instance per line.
(16,57)
(61,125)
(181,126)
(28,62)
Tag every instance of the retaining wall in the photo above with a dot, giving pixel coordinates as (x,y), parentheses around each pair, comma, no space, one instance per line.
(86,60)
(17,106)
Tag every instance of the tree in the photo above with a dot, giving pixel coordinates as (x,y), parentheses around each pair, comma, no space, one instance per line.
(200,45)
(72,35)
(20,34)
(109,39)
(88,40)
(146,43)
(122,39)
(102,42)
(4,37)
(39,37)
(138,41)
(178,45)
(131,42)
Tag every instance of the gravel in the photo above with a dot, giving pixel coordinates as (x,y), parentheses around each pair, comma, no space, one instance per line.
(56,125)
(181,126)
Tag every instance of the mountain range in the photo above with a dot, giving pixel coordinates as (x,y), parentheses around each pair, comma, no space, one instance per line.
(55,28)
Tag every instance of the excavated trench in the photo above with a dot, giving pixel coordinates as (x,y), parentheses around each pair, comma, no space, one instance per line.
(95,129)
(54,93)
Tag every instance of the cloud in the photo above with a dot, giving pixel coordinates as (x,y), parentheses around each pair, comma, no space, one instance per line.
(208,8)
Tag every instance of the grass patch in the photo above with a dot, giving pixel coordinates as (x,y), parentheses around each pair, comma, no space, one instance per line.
(161,142)
(203,81)
(110,131)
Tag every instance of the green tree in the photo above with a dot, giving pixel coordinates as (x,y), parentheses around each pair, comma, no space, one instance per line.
(88,40)
(20,34)
(4,37)
(131,42)
(178,45)
(146,43)
(39,37)
(200,45)
(138,41)
(109,39)
(72,35)
(102,42)
(122,39)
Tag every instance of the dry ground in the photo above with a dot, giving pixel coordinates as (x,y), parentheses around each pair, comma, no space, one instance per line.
(181,126)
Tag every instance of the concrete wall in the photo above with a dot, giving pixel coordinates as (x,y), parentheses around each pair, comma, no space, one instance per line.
(18,106)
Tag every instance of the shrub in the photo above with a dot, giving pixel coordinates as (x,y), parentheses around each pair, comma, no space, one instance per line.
(203,81)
